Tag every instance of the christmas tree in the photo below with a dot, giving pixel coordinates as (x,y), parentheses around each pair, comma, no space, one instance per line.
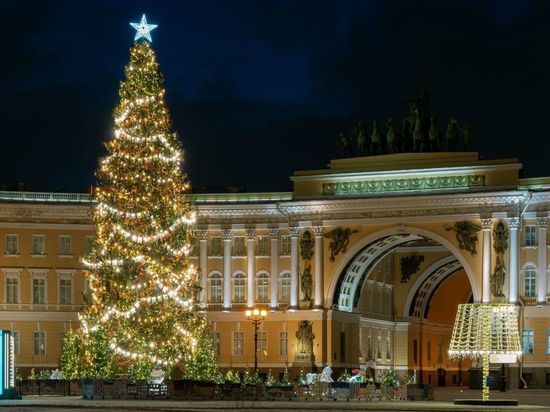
(142,284)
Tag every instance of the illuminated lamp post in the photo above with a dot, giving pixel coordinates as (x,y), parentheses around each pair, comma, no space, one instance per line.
(256,316)
(490,331)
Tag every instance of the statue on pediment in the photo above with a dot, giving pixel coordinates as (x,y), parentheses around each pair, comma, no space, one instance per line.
(452,134)
(392,138)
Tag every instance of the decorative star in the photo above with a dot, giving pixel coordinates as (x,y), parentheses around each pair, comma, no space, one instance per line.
(143,29)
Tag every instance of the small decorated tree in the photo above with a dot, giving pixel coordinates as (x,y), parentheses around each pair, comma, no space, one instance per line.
(270,380)
(232,377)
(285,380)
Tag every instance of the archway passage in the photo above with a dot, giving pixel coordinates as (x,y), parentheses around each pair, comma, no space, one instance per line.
(404,288)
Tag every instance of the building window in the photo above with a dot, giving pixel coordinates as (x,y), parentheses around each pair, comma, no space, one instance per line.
(284,288)
(38,245)
(215,246)
(65,291)
(65,248)
(12,289)
(216,282)
(216,343)
(379,348)
(239,288)
(238,344)
(415,351)
(429,351)
(263,246)
(89,244)
(285,245)
(369,347)
(39,343)
(283,343)
(239,248)
(262,288)
(530,235)
(548,341)
(530,282)
(15,335)
(528,341)
(388,347)
(39,290)
(262,343)
(12,247)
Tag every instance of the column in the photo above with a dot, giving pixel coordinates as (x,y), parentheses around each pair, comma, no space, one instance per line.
(542,223)
(293,232)
(202,235)
(250,259)
(274,234)
(513,263)
(318,301)
(486,225)
(227,233)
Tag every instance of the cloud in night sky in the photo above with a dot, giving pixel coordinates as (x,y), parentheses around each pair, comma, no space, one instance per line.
(259,89)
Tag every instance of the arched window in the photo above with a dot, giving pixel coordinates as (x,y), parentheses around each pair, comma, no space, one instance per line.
(530,282)
(262,287)
(284,287)
(215,280)
(239,288)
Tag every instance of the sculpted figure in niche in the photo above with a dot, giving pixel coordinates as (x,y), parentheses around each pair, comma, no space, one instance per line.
(306,283)
(497,279)
(305,336)
(306,245)
(500,238)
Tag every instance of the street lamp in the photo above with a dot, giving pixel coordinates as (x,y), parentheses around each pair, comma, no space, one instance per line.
(256,316)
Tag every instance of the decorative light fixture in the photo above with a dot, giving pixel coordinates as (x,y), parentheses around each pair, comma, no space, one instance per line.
(486,330)
(256,316)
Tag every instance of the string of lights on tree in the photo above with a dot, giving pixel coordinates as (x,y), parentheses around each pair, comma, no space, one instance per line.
(142,284)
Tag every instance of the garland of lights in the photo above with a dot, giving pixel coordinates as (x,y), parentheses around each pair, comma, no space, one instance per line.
(482,330)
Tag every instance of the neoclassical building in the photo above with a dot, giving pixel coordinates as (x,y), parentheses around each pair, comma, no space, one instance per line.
(374,252)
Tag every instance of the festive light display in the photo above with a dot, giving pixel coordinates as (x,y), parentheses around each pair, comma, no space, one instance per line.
(143,29)
(142,285)
(484,330)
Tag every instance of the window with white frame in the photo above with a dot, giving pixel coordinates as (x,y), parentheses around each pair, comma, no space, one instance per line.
(38,244)
(548,341)
(283,343)
(237,345)
(215,246)
(388,346)
(262,343)
(530,282)
(285,245)
(65,290)
(239,288)
(65,247)
(284,287)
(216,284)
(263,246)
(12,244)
(216,341)
(39,343)
(15,334)
(262,287)
(39,289)
(369,347)
(12,287)
(239,248)
(530,235)
(528,341)
(89,244)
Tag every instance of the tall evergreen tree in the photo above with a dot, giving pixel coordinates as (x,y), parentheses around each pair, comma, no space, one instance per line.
(142,284)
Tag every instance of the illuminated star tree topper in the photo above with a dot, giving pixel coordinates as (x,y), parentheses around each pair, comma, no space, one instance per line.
(143,29)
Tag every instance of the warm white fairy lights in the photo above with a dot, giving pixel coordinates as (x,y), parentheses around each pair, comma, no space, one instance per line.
(482,330)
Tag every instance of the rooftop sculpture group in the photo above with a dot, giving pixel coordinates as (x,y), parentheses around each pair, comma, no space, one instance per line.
(417,132)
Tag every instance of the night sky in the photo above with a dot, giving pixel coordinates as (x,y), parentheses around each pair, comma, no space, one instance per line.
(258,89)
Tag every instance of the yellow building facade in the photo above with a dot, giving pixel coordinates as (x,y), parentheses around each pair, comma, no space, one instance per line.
(376,252)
